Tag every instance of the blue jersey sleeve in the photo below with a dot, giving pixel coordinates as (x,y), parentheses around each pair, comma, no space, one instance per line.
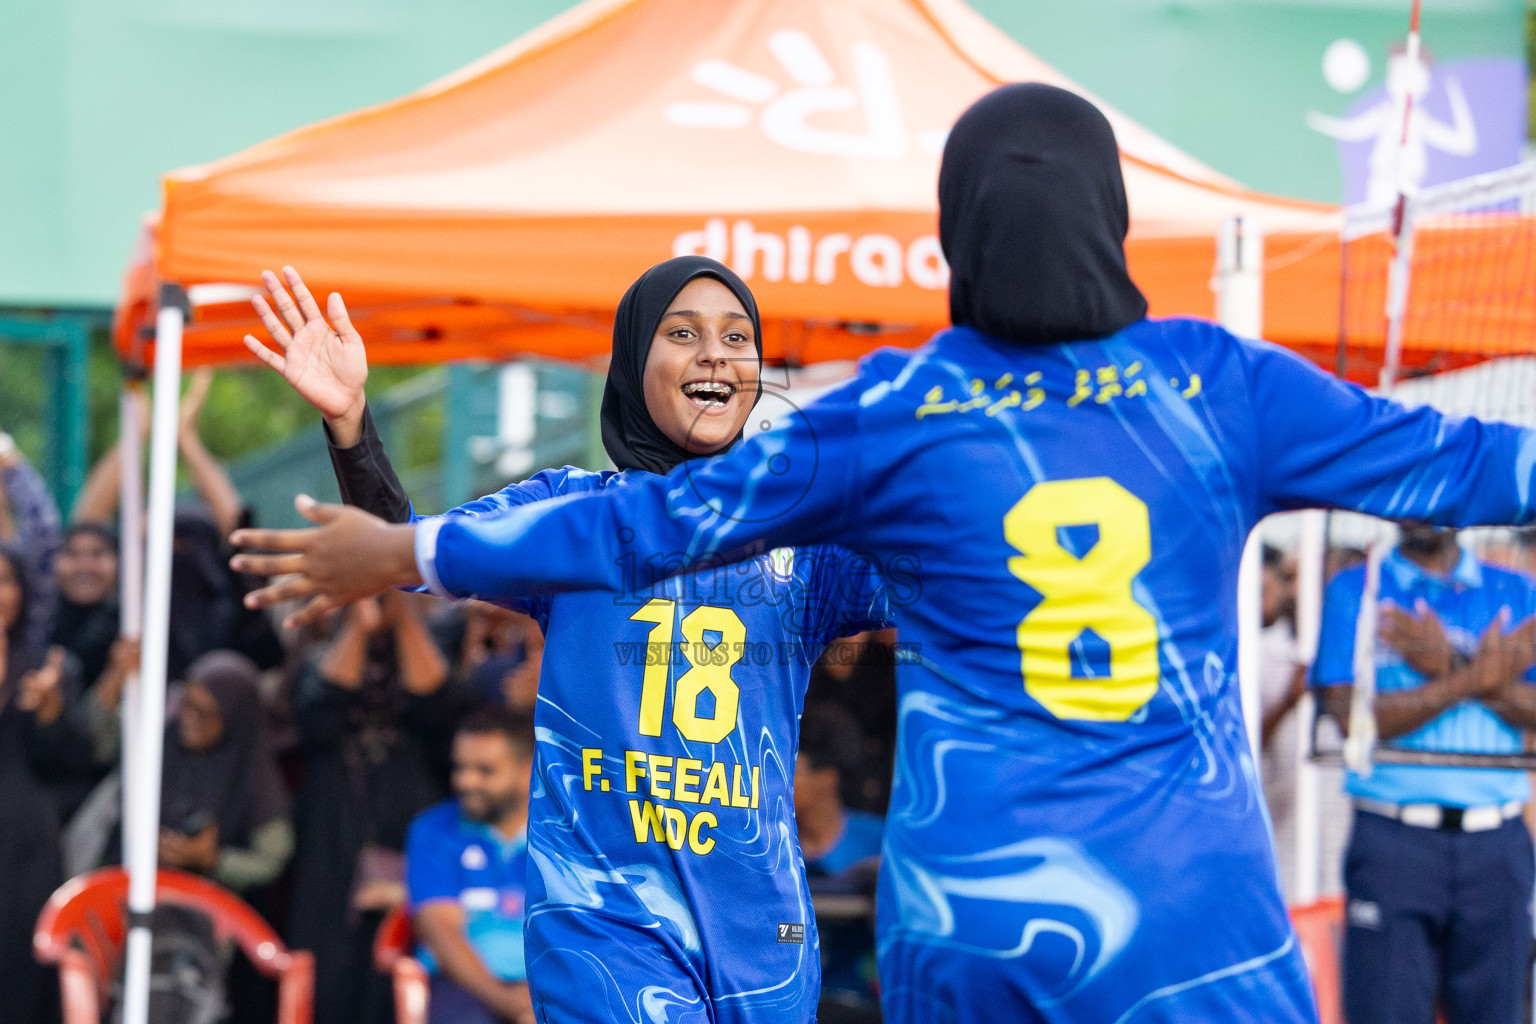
(850,587)
(1335,662)
(542,486)
(430,857)
(1323,441)
(797,484)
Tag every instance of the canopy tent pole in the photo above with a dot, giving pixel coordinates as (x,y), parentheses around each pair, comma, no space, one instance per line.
(1240,309)
(130,447)
(142,857)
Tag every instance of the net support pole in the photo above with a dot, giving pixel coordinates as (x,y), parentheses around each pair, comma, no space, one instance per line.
(1360,746)
(1240,309)
(130,448)
(1311,554)
(142,857)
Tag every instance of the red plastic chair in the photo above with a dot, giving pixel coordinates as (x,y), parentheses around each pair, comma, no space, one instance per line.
(1320,931)
(393,947)
(83,927)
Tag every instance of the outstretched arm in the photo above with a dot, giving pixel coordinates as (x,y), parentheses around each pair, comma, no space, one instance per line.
(209,478)
(797,484)
(97,501)
(1322,442)
(1348,129)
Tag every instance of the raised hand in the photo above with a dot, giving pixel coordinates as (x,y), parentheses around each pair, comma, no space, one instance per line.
(324,364)
(192,402)
(42,689)
(350,556)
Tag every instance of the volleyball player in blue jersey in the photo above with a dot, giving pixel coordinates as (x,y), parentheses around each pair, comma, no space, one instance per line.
(1076,830)
(666,883)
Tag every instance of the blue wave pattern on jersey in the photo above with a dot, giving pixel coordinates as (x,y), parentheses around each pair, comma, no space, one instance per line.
(1076,831)
(634,838)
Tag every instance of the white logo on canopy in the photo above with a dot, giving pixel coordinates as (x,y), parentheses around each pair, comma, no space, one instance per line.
(785,114)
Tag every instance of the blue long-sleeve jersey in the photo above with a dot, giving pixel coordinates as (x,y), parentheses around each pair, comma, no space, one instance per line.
(1076,830)
(666,732)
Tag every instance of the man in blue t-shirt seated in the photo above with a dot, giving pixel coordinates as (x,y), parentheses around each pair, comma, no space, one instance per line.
(465,862)
(1438,873)
(842,856)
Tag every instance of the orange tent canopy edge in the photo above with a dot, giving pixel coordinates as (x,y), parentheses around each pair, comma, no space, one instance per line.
(503,209)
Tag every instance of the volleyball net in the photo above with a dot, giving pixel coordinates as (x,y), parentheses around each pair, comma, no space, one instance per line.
(1438,308)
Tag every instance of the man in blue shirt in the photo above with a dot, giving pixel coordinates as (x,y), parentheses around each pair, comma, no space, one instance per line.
(465,862)
(842,854)
(1439,867)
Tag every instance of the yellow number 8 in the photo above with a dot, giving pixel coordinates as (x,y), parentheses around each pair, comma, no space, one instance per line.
(1077,594)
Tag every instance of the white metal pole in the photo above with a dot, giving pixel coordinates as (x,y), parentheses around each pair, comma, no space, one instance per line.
(143,856)
(1360,747)
(1311,551)
(1240,309)
(130,448)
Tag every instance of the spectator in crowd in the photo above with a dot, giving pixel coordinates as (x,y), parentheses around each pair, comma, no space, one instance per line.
(499,654)
(1285,680)
(44,753)
(86,623)
(375,721)
(223,806)
(1283,683)
(86,619)
(207,612)
(466,860)
(842,853)
(858,674)
(223,809)
(29,521)
(1438,873)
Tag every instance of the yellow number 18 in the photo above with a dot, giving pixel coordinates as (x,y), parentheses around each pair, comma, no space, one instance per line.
(1082,593)
(709,669)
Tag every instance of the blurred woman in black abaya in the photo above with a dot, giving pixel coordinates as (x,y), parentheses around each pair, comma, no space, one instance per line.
(45,755)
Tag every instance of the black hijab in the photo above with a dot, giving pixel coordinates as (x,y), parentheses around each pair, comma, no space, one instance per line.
(631,437)
(1032,219)
(88,631)
(203,605)
(234,783)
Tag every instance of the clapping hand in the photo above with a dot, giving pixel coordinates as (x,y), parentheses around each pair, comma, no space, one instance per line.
(324,362)
(1502,658)
(196,853)
(1419,638)
(42,689)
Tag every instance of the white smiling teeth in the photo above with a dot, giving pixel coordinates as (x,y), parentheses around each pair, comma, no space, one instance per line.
(712,391)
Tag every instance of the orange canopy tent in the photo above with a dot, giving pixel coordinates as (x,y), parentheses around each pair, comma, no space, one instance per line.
(506,208)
